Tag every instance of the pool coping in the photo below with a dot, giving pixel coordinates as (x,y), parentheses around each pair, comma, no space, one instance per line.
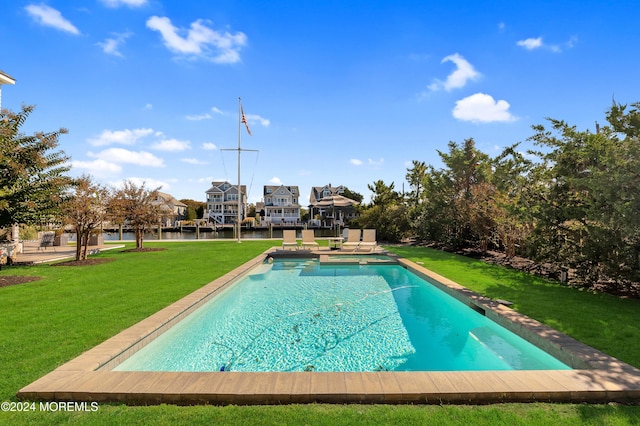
(598,377)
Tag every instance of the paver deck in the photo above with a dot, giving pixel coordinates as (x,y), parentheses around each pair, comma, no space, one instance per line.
(33,254)
(596,377)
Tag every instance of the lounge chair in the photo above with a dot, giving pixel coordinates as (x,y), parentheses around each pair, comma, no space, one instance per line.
(368,240)
(289,239)
(308,239)
(353,240)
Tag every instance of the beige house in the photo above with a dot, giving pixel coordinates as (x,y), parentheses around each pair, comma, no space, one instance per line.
(328,207)
(222,203)
(172,209)
(281,205)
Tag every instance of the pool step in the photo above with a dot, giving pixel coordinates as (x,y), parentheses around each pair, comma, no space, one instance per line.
(356,259)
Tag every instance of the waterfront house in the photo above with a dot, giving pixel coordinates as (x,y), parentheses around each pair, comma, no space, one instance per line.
(172,210)
(222,203)
(329,207)
(281,205)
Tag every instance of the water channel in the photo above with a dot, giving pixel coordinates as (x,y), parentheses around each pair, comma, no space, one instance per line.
(248,234)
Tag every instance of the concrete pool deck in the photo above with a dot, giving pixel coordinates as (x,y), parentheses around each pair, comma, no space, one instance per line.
(596,377)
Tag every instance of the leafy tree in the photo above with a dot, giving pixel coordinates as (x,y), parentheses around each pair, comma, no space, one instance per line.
(32,172)
(416,176)
(513,180)
(135,206)
(383,194)
(455,198)
(355,196)
(195,209)
(388,213)
(85,210)
(623,121)
(587,215)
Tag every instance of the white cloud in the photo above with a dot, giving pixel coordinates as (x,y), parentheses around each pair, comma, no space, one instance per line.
(530,43)
(98,168)
(129,3)
(275,181)
(148,183)
(148,106)
(482,108)
(538,43)
(122,137)
(209,146)
(217,111)
(459,77)
(173,145)
(356,162)
(50,17)
(125,156)
(193,161)
(200,40)
(376,163)
(205,116)
(256,119)
(111,46)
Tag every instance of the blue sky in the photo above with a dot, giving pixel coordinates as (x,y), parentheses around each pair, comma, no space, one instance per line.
(340,92)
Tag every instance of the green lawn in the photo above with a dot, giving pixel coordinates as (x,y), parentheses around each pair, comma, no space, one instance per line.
(71,309)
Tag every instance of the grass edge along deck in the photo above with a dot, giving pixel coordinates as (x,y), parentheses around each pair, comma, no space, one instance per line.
(596,377)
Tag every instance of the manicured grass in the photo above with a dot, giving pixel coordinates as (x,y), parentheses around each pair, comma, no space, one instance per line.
(46,323)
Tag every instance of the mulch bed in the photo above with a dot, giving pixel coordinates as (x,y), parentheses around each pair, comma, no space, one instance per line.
(85,262)
(16,279)
(143,249)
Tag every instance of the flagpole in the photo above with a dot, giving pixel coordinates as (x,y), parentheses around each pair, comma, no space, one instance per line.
(239,149)
(241,119)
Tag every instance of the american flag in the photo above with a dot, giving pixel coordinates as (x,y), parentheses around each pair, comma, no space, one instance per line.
(244,120)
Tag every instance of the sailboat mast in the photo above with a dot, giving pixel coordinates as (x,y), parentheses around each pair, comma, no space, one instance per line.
(239,187)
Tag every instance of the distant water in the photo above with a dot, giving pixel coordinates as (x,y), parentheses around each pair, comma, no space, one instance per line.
(251,234)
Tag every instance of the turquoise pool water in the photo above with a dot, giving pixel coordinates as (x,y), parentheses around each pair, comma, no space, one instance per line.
(299,315)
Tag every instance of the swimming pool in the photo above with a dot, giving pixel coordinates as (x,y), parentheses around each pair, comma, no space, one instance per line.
(595,377)
(305,315)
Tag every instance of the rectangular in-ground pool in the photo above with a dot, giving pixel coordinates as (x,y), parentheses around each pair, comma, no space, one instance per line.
(92,376)
(301,315)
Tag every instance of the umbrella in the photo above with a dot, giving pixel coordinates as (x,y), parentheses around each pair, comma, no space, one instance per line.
(335,201)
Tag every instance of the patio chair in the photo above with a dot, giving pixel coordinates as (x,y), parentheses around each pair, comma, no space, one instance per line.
(353,240)
(47,241)
(308,239)
(368,240)
(289,239)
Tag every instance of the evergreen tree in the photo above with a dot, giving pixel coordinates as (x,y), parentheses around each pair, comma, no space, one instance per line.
(33,177)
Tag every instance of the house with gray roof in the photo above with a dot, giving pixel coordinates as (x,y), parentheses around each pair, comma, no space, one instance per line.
(329,207)
(222,203)
(281,205)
